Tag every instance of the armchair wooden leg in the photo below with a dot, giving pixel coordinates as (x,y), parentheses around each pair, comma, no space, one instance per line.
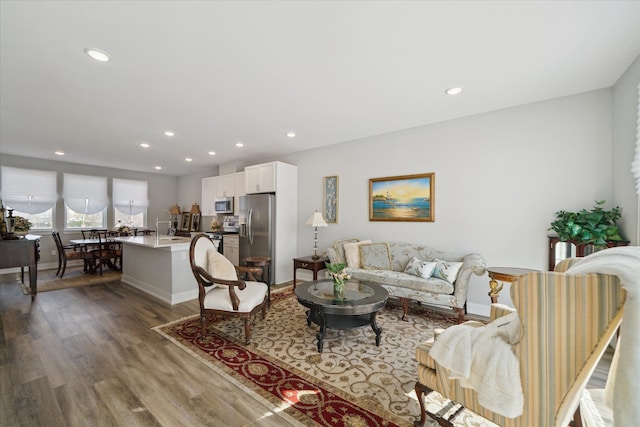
(420,392)
(202,326)
(247,329)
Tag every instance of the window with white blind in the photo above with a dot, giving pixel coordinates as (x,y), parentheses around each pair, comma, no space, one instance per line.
(85,199)
(130,201)
(31,194)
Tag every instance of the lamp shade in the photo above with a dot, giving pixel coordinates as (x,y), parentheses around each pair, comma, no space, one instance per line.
(175,210)
(195,209)
(316,220)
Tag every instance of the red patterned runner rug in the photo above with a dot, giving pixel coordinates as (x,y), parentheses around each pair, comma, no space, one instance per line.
(352,383)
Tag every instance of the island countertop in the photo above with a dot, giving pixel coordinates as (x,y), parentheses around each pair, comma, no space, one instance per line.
(171,243)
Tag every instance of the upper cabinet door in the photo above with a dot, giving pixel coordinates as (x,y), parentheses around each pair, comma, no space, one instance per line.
(238,187)
(209,188)
(238,184)
(260,178)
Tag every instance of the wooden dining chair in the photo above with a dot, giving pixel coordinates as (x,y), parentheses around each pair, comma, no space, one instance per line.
(94,233)
(106,252)
(67,252)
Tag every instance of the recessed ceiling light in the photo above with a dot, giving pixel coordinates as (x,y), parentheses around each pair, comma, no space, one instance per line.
(212,153)
(59,153)
(144,145)
(453,90)
(169,133)
(188,159)
(97,54)
(291,134)
(239,144)
(158,167)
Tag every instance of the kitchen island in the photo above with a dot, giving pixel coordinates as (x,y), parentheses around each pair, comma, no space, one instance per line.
(159,267)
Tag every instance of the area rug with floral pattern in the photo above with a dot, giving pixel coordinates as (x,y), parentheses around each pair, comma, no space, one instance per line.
(351,383)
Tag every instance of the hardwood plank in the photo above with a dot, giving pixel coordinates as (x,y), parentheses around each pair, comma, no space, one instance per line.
(81,406)
(123,405)
(8,413)
(36,404)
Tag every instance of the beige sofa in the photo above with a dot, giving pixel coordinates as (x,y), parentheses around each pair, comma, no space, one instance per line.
(386,263)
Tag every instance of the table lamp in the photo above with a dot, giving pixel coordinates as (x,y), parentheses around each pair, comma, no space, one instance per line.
(316,220)
(195,217)
(175,210)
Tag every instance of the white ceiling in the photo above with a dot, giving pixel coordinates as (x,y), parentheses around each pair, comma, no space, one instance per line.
(221,72)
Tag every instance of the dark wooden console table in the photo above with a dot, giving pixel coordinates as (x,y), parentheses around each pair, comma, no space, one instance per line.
(22,253)
(574,248)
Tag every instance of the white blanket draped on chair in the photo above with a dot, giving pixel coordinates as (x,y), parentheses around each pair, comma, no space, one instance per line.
(623,387)
(480,356)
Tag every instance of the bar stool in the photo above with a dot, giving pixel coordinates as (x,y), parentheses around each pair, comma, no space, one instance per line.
(262,262)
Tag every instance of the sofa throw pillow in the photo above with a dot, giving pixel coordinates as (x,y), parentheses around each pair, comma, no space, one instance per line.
(446,270)
(352,253)
(338,245)
(220,267)
(420,268)
(375,256)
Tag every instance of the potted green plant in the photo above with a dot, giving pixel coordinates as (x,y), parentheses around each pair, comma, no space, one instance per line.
(596,226)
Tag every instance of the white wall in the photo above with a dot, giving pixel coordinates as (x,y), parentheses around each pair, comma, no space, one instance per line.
(500,177)
(625,110)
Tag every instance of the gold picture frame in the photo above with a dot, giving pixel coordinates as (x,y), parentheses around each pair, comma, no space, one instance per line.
(330,199)
(402,198)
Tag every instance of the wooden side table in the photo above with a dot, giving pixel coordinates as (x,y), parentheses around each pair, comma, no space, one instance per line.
(503,274)
(308,263)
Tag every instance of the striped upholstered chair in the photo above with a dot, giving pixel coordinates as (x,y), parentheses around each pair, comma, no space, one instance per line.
(567,322)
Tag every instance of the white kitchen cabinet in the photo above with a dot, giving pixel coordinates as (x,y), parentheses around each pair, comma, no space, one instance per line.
(261,178)
(238,191)
(230,185)
(226,186)
(231,248)
(209,189)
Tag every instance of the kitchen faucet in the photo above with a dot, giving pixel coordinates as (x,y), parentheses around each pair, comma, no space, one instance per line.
(170,231)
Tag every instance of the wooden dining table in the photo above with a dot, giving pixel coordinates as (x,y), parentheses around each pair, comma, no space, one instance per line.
(88,245)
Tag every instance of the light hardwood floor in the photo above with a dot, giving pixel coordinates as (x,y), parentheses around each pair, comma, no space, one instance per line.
(87,356)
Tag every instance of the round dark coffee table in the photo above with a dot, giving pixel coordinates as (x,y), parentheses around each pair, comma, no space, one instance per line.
(362,301)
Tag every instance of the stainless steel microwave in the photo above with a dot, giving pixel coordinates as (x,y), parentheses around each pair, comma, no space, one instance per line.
(223,205)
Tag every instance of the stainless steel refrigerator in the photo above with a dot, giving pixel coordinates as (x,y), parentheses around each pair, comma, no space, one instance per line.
(257,228)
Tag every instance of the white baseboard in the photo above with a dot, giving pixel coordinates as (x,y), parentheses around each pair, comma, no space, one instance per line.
(159,293)
(479,309)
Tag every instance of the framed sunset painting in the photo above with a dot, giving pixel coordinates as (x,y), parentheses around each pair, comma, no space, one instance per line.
(402,198)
